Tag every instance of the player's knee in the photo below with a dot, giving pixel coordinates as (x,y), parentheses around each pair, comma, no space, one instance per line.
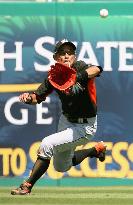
(45,150)
(61,168)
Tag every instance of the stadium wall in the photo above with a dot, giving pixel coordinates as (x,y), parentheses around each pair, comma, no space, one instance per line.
(28,32)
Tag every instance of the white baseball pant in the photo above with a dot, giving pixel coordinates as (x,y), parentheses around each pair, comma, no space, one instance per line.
(62,144)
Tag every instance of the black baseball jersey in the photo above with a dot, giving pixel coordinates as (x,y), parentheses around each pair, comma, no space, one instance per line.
(80,101)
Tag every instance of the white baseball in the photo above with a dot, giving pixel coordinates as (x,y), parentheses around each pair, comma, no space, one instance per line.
(104,12)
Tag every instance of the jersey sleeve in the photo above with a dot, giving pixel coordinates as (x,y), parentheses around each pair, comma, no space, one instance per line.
(100,68)
(43,91)
(82,75)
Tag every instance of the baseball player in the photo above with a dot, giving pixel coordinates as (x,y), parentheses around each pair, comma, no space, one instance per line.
(74,83)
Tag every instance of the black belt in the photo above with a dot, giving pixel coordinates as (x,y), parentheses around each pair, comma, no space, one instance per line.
(78,120)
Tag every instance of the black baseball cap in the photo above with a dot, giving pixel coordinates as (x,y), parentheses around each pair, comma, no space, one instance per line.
(62,43)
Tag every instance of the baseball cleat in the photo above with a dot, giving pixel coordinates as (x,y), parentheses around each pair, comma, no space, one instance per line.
(24,189)
(101,149)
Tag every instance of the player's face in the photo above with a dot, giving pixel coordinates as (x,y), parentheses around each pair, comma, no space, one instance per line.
(66,55)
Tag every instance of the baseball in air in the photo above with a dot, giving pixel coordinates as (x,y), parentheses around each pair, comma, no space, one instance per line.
(104,13)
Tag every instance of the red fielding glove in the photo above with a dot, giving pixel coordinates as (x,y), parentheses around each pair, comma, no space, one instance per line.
(62,77)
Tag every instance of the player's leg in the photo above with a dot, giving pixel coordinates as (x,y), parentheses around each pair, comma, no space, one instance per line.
(45,153)
(63,160)
(82,134)
(40,167)
(97,151)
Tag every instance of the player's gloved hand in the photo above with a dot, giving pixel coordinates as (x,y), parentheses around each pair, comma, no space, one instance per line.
(62,77)
(25,98)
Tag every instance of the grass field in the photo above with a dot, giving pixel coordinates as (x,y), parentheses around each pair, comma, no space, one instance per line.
(71,196)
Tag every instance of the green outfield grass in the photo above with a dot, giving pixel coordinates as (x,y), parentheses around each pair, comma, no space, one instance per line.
(71,196)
